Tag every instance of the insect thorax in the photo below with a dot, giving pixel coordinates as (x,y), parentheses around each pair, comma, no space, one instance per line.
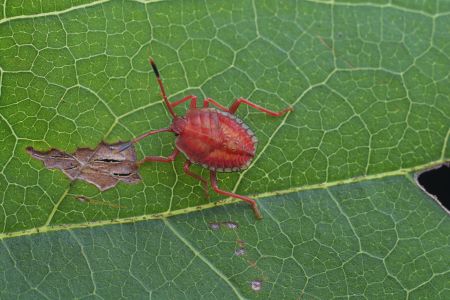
(178,125)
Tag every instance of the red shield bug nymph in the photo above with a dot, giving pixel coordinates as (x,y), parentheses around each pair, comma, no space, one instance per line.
(211,137)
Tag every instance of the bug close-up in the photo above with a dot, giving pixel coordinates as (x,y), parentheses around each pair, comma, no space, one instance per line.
(213,138)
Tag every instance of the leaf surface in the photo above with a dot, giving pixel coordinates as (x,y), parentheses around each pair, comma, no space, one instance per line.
(369,82)
(380,239)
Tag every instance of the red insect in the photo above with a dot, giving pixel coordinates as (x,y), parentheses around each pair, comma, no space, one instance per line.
(214,138)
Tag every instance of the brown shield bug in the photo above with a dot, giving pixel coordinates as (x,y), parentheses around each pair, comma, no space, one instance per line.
(211,137)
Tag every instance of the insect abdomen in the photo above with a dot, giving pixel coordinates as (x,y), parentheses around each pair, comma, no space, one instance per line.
(216,140)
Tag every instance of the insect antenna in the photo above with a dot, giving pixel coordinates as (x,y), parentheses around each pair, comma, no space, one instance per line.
(161,87)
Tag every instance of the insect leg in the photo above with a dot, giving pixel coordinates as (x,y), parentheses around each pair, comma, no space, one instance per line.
(186,167)
(193,103)
(229,194)
(207,101)
(169,158)
(239,101)
(161,87)
(135,140)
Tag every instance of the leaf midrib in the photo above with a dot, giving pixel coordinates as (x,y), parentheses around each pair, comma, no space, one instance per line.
(158,216)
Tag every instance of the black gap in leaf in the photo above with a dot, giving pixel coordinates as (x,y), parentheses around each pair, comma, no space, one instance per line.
(122,174)
(108,160)
(436,182)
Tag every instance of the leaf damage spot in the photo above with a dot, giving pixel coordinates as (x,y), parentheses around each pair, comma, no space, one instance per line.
(82,199)
(214,226)
(435,183)
(231,225)
(256,285)
(103,166)
(227,224)
(241,250)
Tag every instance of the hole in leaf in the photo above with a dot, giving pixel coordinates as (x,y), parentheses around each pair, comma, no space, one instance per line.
(122,174)
(436,183)
(107,160)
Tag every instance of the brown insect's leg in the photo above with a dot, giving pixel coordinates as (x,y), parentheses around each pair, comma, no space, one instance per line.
(186,167)
(244,198)
(207,101)
(169,158)
(135,140)
(193,103)
(238,102)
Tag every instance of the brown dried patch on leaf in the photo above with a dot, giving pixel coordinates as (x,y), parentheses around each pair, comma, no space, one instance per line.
(104,166)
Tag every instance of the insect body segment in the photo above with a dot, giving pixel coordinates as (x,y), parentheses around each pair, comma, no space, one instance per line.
(212,137)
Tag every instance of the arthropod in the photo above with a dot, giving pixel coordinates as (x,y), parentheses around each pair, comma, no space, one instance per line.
(211,137)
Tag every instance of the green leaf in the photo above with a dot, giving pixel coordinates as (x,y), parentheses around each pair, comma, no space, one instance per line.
(369,81)
(381,239)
